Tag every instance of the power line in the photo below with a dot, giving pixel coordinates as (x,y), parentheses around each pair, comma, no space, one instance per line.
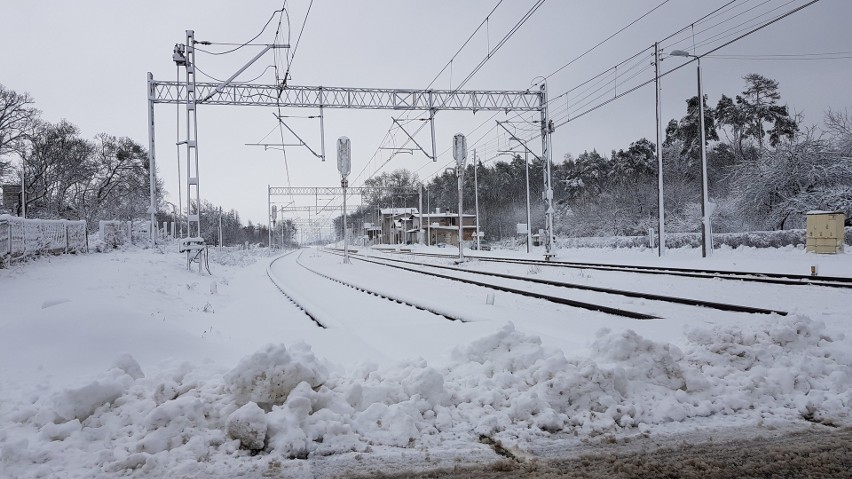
(241,45)
(601,77)
(484,22)
(235,82)
(574,60)
(787,57)
(750,32)
(487,57)
(298,39)
(606,40)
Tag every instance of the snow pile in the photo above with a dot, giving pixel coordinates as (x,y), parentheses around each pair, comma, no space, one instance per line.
(268,376)
(285,403)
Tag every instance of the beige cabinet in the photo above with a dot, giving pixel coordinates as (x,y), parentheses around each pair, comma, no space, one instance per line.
(825,232)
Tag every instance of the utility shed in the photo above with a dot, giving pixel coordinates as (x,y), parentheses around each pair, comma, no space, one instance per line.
(825,232)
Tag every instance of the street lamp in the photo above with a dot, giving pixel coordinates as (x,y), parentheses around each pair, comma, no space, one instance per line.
(706,236)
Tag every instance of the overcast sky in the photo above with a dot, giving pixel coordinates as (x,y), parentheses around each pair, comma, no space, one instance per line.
(86,61)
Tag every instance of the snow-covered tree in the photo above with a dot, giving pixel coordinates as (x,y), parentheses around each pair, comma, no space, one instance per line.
(687,130)
(801,174)
(17,117)
(57,161)
(750,112)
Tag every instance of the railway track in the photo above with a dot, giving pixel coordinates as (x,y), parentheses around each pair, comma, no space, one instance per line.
(774,278)
(317,317)
(560,284)
(550,298)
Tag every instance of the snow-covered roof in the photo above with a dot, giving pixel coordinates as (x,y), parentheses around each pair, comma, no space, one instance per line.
(820,212)
(447,215)
(398,211)
(453,227)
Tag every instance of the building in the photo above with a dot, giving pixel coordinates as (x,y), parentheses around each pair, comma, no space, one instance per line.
(402,226)
(10,197)
(443,227)
(373,233)
(394,223)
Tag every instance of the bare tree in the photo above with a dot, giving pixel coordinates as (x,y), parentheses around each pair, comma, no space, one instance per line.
(57,159)
(17,115)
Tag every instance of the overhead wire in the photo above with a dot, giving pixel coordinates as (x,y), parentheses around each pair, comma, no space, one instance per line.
(599,44)
(742,26)
(719,47)
(276,59)
(292,57)
(479,66)
(787,57)
(241,45)
(728,7)
(737,32)
(235,82)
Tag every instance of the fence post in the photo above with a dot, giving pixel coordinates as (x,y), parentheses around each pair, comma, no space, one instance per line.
(65,223)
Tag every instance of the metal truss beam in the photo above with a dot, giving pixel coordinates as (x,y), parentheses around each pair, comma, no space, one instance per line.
(335,190)
(315,209)
(247,94)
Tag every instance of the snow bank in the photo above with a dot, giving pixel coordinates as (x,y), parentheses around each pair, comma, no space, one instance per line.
(284,403)
(268,376)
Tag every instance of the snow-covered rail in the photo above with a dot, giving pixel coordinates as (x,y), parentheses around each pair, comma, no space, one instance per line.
(523,292)
(620,292)
(387,295)
(280,285)
(313,308)
(773,278)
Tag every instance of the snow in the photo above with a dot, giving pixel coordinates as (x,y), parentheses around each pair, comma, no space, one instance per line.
(124,363)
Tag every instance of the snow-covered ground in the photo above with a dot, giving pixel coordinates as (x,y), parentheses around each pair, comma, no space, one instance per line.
(124,363)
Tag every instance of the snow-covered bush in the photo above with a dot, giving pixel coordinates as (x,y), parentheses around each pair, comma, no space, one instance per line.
(752,239)
(117,233)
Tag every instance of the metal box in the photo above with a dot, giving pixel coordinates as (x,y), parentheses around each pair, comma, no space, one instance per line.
(825,233)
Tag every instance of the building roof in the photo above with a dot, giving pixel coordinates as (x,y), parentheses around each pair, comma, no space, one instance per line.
(398,211)
(447,215)
(452,228)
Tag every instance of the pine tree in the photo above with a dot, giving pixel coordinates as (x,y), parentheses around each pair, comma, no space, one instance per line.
(757,106)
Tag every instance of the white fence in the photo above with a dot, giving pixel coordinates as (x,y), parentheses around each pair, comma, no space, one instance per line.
(21,238)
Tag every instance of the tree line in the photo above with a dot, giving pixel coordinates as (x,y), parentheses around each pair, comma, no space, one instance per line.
(68,176)
(765,170)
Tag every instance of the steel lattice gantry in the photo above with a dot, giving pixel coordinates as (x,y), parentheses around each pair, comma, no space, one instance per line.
(193,94)
(325,191)
(171,92)
(335,190)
